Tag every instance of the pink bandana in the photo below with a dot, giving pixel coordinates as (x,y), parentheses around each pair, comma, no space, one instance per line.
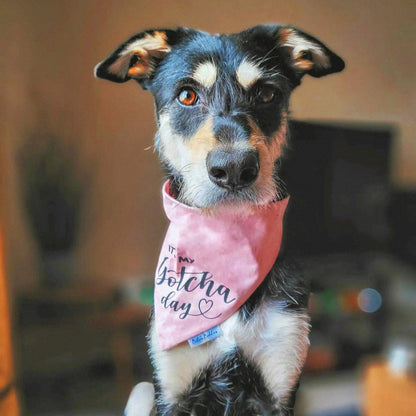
(210,265)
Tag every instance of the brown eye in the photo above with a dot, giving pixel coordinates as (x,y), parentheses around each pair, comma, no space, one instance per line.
(187,97)
(266,94)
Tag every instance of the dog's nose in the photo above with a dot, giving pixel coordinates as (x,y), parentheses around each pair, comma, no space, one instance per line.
(233,169)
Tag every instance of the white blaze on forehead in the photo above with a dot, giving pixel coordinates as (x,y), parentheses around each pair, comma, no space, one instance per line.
(248,73)
(206,74)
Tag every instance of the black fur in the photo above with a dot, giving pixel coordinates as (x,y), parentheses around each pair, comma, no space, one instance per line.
(232,386)
(284,284)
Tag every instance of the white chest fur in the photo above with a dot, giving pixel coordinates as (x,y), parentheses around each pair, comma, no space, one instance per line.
(275,340)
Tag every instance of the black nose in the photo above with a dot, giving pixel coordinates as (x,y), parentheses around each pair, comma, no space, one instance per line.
(233,169)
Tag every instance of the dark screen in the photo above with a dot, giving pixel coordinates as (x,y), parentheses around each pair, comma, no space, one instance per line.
(338,179)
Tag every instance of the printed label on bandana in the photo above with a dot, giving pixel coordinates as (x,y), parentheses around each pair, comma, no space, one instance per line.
(206,336)
(209,266)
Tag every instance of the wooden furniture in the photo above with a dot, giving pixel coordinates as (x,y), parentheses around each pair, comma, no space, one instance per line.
(73,327)
(116,324)
(8,398)
(387,394)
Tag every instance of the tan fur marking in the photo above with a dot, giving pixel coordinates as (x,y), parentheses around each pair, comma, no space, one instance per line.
(202,142)
(303,64)
(248,73)
(269,150)
(143,65)
(206,74)
(274,147)
(297,43)
(284,35)
(152,45)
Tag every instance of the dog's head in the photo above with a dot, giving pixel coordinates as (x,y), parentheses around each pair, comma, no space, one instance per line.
(221,103)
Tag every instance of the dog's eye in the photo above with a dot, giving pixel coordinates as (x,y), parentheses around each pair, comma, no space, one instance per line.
(188,97)
(266,94)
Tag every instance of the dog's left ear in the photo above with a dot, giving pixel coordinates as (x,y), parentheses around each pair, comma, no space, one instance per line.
(139,56)
(301,53)
(307,55)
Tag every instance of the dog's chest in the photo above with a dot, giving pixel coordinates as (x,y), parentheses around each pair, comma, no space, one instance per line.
(275,340)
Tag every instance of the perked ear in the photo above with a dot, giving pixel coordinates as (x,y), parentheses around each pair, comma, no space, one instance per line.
(307,55)
(139,56)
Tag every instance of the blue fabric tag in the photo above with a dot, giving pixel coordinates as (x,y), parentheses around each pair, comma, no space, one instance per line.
(205,336)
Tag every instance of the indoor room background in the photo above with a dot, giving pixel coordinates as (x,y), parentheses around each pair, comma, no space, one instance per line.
(81,218)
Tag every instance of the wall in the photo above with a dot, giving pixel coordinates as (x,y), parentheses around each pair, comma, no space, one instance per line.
(49,49)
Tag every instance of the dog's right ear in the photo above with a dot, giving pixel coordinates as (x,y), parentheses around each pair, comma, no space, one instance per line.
(139,56)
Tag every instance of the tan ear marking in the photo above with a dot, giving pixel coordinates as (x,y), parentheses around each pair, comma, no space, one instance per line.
(152,45)
(299,45)
(284,36)
(141,66)
(301,63)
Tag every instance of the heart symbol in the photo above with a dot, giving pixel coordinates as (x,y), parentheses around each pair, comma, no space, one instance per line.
(205,306)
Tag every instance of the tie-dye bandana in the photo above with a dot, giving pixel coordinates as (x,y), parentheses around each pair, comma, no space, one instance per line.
(209,265)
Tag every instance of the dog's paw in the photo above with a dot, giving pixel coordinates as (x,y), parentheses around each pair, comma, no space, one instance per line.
(141,400)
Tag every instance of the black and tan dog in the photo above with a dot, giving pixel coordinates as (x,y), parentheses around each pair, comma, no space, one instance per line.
(221,108)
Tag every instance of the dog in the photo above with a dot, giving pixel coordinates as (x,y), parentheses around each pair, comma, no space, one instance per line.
(222,104)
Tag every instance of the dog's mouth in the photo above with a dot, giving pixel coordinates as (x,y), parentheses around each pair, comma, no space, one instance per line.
(208,194)
(257,194)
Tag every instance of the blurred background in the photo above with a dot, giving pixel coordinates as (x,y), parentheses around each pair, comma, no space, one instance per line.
(81,221)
